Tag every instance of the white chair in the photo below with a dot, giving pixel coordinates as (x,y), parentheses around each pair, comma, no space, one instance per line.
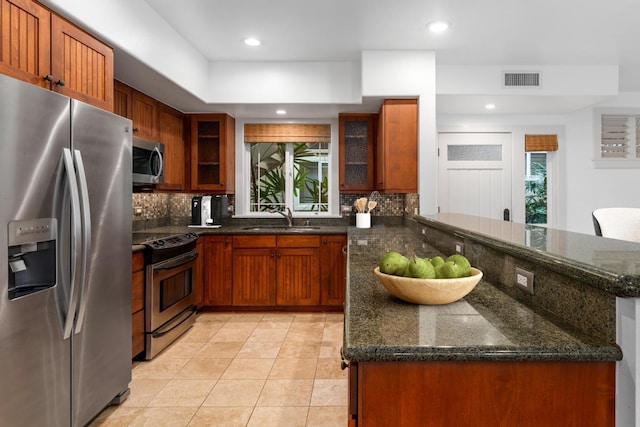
(617,223)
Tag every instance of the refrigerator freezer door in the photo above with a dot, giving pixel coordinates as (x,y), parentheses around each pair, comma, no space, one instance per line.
(34,358)
(102,344)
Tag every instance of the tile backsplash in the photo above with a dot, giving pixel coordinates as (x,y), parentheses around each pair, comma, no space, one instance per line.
(163,209)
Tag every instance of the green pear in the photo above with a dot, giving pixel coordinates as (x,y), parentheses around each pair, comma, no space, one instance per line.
(421,269)
(447,270)
(394,263)
(463,263)
(437,260)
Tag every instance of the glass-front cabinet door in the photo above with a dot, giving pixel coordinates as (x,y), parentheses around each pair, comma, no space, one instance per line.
(356,133)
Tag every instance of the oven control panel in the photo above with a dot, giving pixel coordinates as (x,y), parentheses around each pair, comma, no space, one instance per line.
(169,247)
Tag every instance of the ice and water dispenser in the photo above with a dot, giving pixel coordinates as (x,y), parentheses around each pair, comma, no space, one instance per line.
(32,256)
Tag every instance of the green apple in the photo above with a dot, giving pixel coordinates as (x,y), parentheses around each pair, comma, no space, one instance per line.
(394,263)
(462,262)
(421,269)
(447,270)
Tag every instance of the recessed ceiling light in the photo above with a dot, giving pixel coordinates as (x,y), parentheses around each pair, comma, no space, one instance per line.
(281,112)
(438,26)
(490,106)
(252,41)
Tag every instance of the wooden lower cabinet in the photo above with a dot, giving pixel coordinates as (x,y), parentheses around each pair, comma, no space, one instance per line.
(274,270)
(217,270)
(444,394)
(333,269)
(137,304)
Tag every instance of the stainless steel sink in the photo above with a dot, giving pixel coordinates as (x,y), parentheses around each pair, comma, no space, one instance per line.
(297,228)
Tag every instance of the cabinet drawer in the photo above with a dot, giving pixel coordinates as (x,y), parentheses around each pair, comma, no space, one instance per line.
(306,241)
(137,291)
(137,333)
(254,241)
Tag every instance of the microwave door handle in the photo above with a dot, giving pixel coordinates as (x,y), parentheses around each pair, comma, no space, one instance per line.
(161,167)
(67,164)
(85,237)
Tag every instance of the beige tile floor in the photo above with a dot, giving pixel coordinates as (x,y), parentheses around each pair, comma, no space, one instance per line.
(242,369)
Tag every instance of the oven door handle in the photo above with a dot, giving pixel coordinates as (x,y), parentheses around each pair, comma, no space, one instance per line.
(175,262)
(190,311)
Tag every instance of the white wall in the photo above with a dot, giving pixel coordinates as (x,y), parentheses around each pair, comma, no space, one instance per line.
(410,74)
(581,187)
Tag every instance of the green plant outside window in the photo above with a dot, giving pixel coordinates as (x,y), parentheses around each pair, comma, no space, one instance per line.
(298,168)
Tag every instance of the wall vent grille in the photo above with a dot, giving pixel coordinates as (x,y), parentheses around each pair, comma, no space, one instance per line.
(522,79)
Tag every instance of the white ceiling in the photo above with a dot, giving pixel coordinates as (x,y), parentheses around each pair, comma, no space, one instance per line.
(490,32)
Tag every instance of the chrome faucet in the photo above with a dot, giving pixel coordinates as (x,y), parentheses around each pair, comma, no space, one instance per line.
(288,217)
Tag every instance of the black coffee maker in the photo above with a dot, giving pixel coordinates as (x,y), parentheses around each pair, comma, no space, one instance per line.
(208,211)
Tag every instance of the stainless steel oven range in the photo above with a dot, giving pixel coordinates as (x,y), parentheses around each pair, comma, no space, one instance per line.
(169,294)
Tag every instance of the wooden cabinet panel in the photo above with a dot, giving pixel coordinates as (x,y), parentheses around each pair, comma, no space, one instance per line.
(122,95)
(218,278)
(82,66)
(397,146)
(254,241)
(298,276)
(333,269)
(254,276)
(137,291)
(137,303)
(25,31)
(530,393)
(144,116)
(198,274)
(137,333)
(213,153)
(356,144)
(306,241)
(171,134)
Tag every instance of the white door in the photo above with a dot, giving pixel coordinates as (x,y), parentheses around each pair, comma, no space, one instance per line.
(475,174)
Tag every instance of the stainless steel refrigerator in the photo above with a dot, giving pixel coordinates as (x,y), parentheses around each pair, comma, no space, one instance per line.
(65,245)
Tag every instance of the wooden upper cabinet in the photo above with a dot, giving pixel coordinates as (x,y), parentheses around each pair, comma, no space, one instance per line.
(144,114)
(171,134)
(213,153)
(397,146)
(41,48)
(82,66)
(25,31)
(356,144)
(122,95)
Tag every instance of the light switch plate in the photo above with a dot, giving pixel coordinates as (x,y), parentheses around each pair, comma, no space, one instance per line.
(459,246)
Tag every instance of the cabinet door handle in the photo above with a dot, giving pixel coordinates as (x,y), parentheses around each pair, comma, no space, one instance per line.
(226,242)
(324,241)
(344,249)
(60,82)
(136,130)
(279,255)
(222,183)
(47,78)
(271,254)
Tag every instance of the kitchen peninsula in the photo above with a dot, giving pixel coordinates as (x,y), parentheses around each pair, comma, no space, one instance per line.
(500,356)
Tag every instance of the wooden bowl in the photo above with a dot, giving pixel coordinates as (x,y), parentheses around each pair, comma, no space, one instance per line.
(429,291)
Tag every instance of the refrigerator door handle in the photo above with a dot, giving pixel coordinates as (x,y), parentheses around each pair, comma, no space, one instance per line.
(85,237)
(67,161)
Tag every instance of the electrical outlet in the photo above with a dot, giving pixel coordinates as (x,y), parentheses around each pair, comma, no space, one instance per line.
(524,280)
(137,210)
(424,231)
(460,248)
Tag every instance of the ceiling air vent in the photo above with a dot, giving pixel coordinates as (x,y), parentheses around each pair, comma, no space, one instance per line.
(522,79)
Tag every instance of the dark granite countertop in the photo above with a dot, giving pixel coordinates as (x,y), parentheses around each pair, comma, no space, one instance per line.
(608,264)
(485,325)
(248,228)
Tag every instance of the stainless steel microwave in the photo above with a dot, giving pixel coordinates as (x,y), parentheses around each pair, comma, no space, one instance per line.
(148,161)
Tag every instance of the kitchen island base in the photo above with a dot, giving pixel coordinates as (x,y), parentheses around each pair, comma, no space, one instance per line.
(482,393)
